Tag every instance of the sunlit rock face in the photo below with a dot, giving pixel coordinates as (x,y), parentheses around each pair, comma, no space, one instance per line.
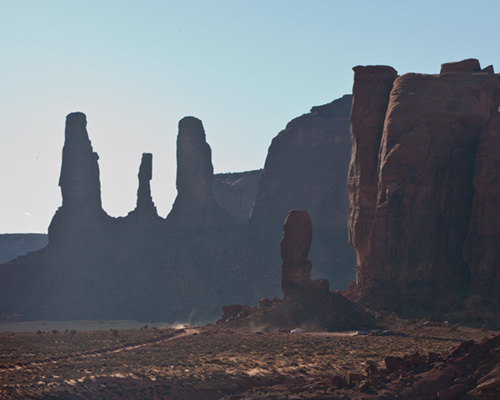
(195,206)
(81,209)
(411,181)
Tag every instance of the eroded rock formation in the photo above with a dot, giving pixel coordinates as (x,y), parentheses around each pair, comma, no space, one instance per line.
(296,268)
(306,169)
(482,250)
(411,181)
(145,210)
(81,209)
(195,206)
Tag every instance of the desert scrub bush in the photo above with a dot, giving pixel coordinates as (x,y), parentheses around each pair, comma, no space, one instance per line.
(454,328)
(73,331)
(485,328)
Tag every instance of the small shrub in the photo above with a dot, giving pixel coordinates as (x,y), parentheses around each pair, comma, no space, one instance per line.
(485,328)
(454,328)
(55,331)
(39,332)
(73,331)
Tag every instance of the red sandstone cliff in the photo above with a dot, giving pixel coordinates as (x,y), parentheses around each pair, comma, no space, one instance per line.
(411,183)
(482,247)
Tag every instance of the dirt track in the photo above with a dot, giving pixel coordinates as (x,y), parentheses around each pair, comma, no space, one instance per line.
(209,362)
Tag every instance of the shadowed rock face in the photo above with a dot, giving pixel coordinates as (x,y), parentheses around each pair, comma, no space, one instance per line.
(79,182)
(145,211)
(195,206)
(235,192)
(139,266)
(295,246)
(482,250)
(306,169)
(411,182)
(296,269)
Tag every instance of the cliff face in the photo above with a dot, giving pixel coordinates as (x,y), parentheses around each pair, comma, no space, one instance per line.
(411,183)
(195,206)
(306,169)
(235,192)
(482,250)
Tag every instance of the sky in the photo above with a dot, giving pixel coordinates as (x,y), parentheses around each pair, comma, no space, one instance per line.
(245,68)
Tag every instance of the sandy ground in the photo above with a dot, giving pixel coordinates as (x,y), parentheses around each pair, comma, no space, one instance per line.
(209,362)
(85,325)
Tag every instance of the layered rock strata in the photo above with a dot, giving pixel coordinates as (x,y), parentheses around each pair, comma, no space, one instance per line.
(411,181)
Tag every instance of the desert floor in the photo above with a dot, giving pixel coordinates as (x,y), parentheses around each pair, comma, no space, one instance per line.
(209,362)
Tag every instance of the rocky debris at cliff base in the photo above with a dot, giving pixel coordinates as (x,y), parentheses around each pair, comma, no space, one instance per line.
(470,371)
(328,312)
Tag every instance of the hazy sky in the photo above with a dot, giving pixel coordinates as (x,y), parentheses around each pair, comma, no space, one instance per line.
(245,68)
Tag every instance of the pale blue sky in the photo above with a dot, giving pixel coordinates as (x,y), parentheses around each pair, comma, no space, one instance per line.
(245,68)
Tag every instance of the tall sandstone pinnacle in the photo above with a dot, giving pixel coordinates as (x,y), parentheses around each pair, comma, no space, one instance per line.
(145,211)
(81,208)
(372,87)
(195,205)
(410,181)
